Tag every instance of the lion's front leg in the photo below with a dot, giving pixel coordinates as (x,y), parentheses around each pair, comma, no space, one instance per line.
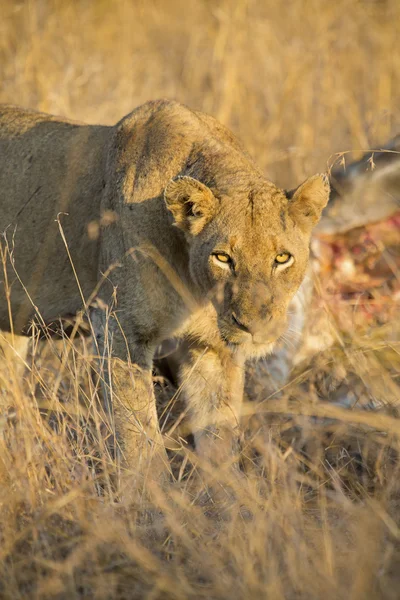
(213,387)
(140,444)
(130,401)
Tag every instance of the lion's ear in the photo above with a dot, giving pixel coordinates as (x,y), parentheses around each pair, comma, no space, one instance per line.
(191,203)
(308,200)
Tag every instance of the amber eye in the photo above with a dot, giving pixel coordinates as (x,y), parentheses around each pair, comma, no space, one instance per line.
(283,258)
(223,258)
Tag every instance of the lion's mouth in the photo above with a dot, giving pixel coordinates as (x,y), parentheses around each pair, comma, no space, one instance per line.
(235,337)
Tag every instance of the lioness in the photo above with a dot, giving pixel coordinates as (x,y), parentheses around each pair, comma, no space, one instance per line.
(193,241)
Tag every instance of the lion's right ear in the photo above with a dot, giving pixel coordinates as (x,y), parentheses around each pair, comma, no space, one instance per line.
(308,200)
(191,203)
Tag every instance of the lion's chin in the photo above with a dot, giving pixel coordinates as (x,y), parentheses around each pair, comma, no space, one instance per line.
(256,350)
(246,346)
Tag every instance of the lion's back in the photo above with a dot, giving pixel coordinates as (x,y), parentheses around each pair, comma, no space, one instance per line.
(15,120)
(50,166)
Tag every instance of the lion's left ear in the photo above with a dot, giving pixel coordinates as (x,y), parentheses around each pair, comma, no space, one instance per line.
(191,203)
(308,200)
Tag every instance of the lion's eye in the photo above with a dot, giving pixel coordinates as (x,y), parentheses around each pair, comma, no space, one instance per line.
(223,258)
(283,258)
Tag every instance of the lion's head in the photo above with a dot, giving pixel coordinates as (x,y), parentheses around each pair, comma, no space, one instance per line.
(248,250)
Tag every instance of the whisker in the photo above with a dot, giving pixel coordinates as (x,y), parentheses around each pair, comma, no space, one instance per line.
(288,341)
(294,330)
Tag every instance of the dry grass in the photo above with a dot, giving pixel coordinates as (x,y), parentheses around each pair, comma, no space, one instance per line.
(316,513)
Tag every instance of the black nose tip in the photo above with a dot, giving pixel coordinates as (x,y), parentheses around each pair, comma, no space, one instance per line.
(239,324)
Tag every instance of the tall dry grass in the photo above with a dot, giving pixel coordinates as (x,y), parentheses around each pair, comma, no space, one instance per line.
(297,81)
(316,512)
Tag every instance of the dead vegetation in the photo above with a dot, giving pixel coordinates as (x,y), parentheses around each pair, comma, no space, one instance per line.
(315,512)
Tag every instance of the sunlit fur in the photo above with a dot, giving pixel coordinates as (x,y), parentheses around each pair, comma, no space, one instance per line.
(179,188)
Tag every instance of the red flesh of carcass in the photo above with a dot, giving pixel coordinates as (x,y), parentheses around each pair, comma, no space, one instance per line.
(360,272)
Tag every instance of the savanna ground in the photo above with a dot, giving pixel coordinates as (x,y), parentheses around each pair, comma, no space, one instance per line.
(317,511)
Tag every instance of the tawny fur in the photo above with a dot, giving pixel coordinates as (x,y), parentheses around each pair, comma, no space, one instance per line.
(166,188)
